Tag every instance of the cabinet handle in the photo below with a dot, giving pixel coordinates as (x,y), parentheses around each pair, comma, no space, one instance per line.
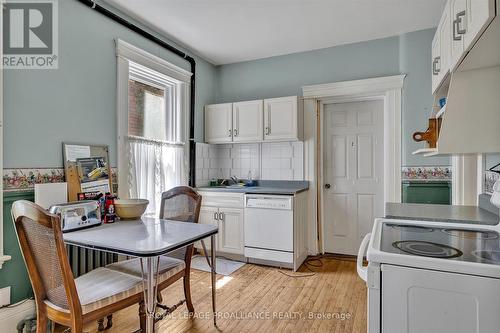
(459,21)
(230,133)
(235,132)
(438,61)
(216,216)
(221,216)
(455,36)
(268,131)
(434,70)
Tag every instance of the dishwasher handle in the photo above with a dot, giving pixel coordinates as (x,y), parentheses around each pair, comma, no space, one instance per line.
(362,270)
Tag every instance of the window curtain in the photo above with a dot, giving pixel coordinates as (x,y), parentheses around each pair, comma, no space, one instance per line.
(154,167)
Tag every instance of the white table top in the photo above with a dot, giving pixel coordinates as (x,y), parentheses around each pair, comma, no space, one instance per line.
(146,237)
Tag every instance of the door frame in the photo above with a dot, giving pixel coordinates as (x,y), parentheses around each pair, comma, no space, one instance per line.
(388,89)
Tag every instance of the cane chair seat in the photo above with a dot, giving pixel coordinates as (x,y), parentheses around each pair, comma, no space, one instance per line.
(102,287)
(168,267)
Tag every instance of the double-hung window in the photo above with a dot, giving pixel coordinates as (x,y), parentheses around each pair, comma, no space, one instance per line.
(153,100)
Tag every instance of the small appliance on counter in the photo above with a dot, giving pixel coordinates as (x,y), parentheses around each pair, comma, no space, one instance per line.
(78,215)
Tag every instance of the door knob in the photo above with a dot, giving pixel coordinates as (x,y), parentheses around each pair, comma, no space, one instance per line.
(327,186)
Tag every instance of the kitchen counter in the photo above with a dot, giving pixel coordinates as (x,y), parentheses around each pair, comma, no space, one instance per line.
(277,187)
(447,213)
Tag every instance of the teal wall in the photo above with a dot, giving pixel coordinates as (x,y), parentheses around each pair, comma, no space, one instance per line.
(13,272)
(77,102)
(285,75)
(415,61)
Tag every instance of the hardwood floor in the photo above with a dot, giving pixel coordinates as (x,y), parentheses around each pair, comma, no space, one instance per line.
(278,303)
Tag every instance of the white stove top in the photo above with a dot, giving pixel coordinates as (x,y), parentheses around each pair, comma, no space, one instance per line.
(441,246)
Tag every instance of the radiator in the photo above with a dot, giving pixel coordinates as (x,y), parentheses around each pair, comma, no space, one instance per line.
(84,260)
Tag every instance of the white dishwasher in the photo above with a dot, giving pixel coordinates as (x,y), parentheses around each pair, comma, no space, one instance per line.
(269,228)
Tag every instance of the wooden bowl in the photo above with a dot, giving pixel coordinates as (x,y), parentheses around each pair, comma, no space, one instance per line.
(129,209)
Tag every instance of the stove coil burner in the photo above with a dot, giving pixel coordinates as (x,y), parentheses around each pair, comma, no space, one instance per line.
(411,228)
(471,234)
(490,256)
(427,249)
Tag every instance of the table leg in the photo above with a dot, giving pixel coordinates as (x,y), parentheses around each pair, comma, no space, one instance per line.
(150,279)
(212,252)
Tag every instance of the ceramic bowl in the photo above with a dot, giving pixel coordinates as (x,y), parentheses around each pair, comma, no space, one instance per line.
(130,208)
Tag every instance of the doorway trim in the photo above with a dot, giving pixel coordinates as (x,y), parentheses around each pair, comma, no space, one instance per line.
(388,89)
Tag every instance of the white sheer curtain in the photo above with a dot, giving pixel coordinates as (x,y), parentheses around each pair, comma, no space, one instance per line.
(154,167)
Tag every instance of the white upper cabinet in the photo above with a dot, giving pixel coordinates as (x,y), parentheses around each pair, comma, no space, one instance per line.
(274,119)
(248,120)
(281,119)
(457,10)
(441,45)
(479,14)
(469,19)
(219,123)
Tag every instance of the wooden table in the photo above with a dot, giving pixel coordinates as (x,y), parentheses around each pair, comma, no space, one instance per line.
(148,239)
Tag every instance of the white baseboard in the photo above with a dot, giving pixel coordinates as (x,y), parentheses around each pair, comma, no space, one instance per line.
(9,317)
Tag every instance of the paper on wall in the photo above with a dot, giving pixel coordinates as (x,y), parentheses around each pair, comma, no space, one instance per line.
(96,186)
(75,151)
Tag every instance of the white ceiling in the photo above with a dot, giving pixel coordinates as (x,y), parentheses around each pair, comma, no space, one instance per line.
(227,31)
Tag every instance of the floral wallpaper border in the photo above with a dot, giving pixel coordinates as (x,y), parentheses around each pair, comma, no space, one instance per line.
(426,173)
(25,179)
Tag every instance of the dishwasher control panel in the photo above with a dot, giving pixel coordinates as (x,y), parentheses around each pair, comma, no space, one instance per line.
(269,202)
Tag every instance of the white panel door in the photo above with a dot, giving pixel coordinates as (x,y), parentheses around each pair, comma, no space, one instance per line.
(419,300)
(231,231)
(479,14)
(353,194)
(248,121)
(208,215)
(280,119)
(219,123)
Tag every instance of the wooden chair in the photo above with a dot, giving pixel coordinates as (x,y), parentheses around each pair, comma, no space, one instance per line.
(58,295)
(183,204)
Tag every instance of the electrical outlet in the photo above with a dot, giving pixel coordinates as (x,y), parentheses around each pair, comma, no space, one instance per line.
(5,296)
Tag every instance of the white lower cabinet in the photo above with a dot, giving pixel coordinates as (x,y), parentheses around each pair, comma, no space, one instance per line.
(231,231)
(207,216)
(224,210)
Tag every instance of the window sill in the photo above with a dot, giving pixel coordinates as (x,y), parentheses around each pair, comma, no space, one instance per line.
(4,259)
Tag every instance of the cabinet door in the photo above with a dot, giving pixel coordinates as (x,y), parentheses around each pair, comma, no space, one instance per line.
(457,12)
(436,52)
(280,119)
(478,14)
(208,215)
(219,123)
(231,231)
(444,30)
(248,123)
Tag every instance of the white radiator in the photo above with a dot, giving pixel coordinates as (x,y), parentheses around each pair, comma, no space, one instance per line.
(9,317)
(84,260)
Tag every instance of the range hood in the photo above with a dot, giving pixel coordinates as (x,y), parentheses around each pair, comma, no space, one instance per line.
(471,123)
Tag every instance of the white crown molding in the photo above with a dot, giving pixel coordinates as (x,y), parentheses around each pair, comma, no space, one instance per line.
(354,87)
(137,55)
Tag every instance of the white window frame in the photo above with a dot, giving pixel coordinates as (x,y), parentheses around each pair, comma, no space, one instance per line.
(125,53)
